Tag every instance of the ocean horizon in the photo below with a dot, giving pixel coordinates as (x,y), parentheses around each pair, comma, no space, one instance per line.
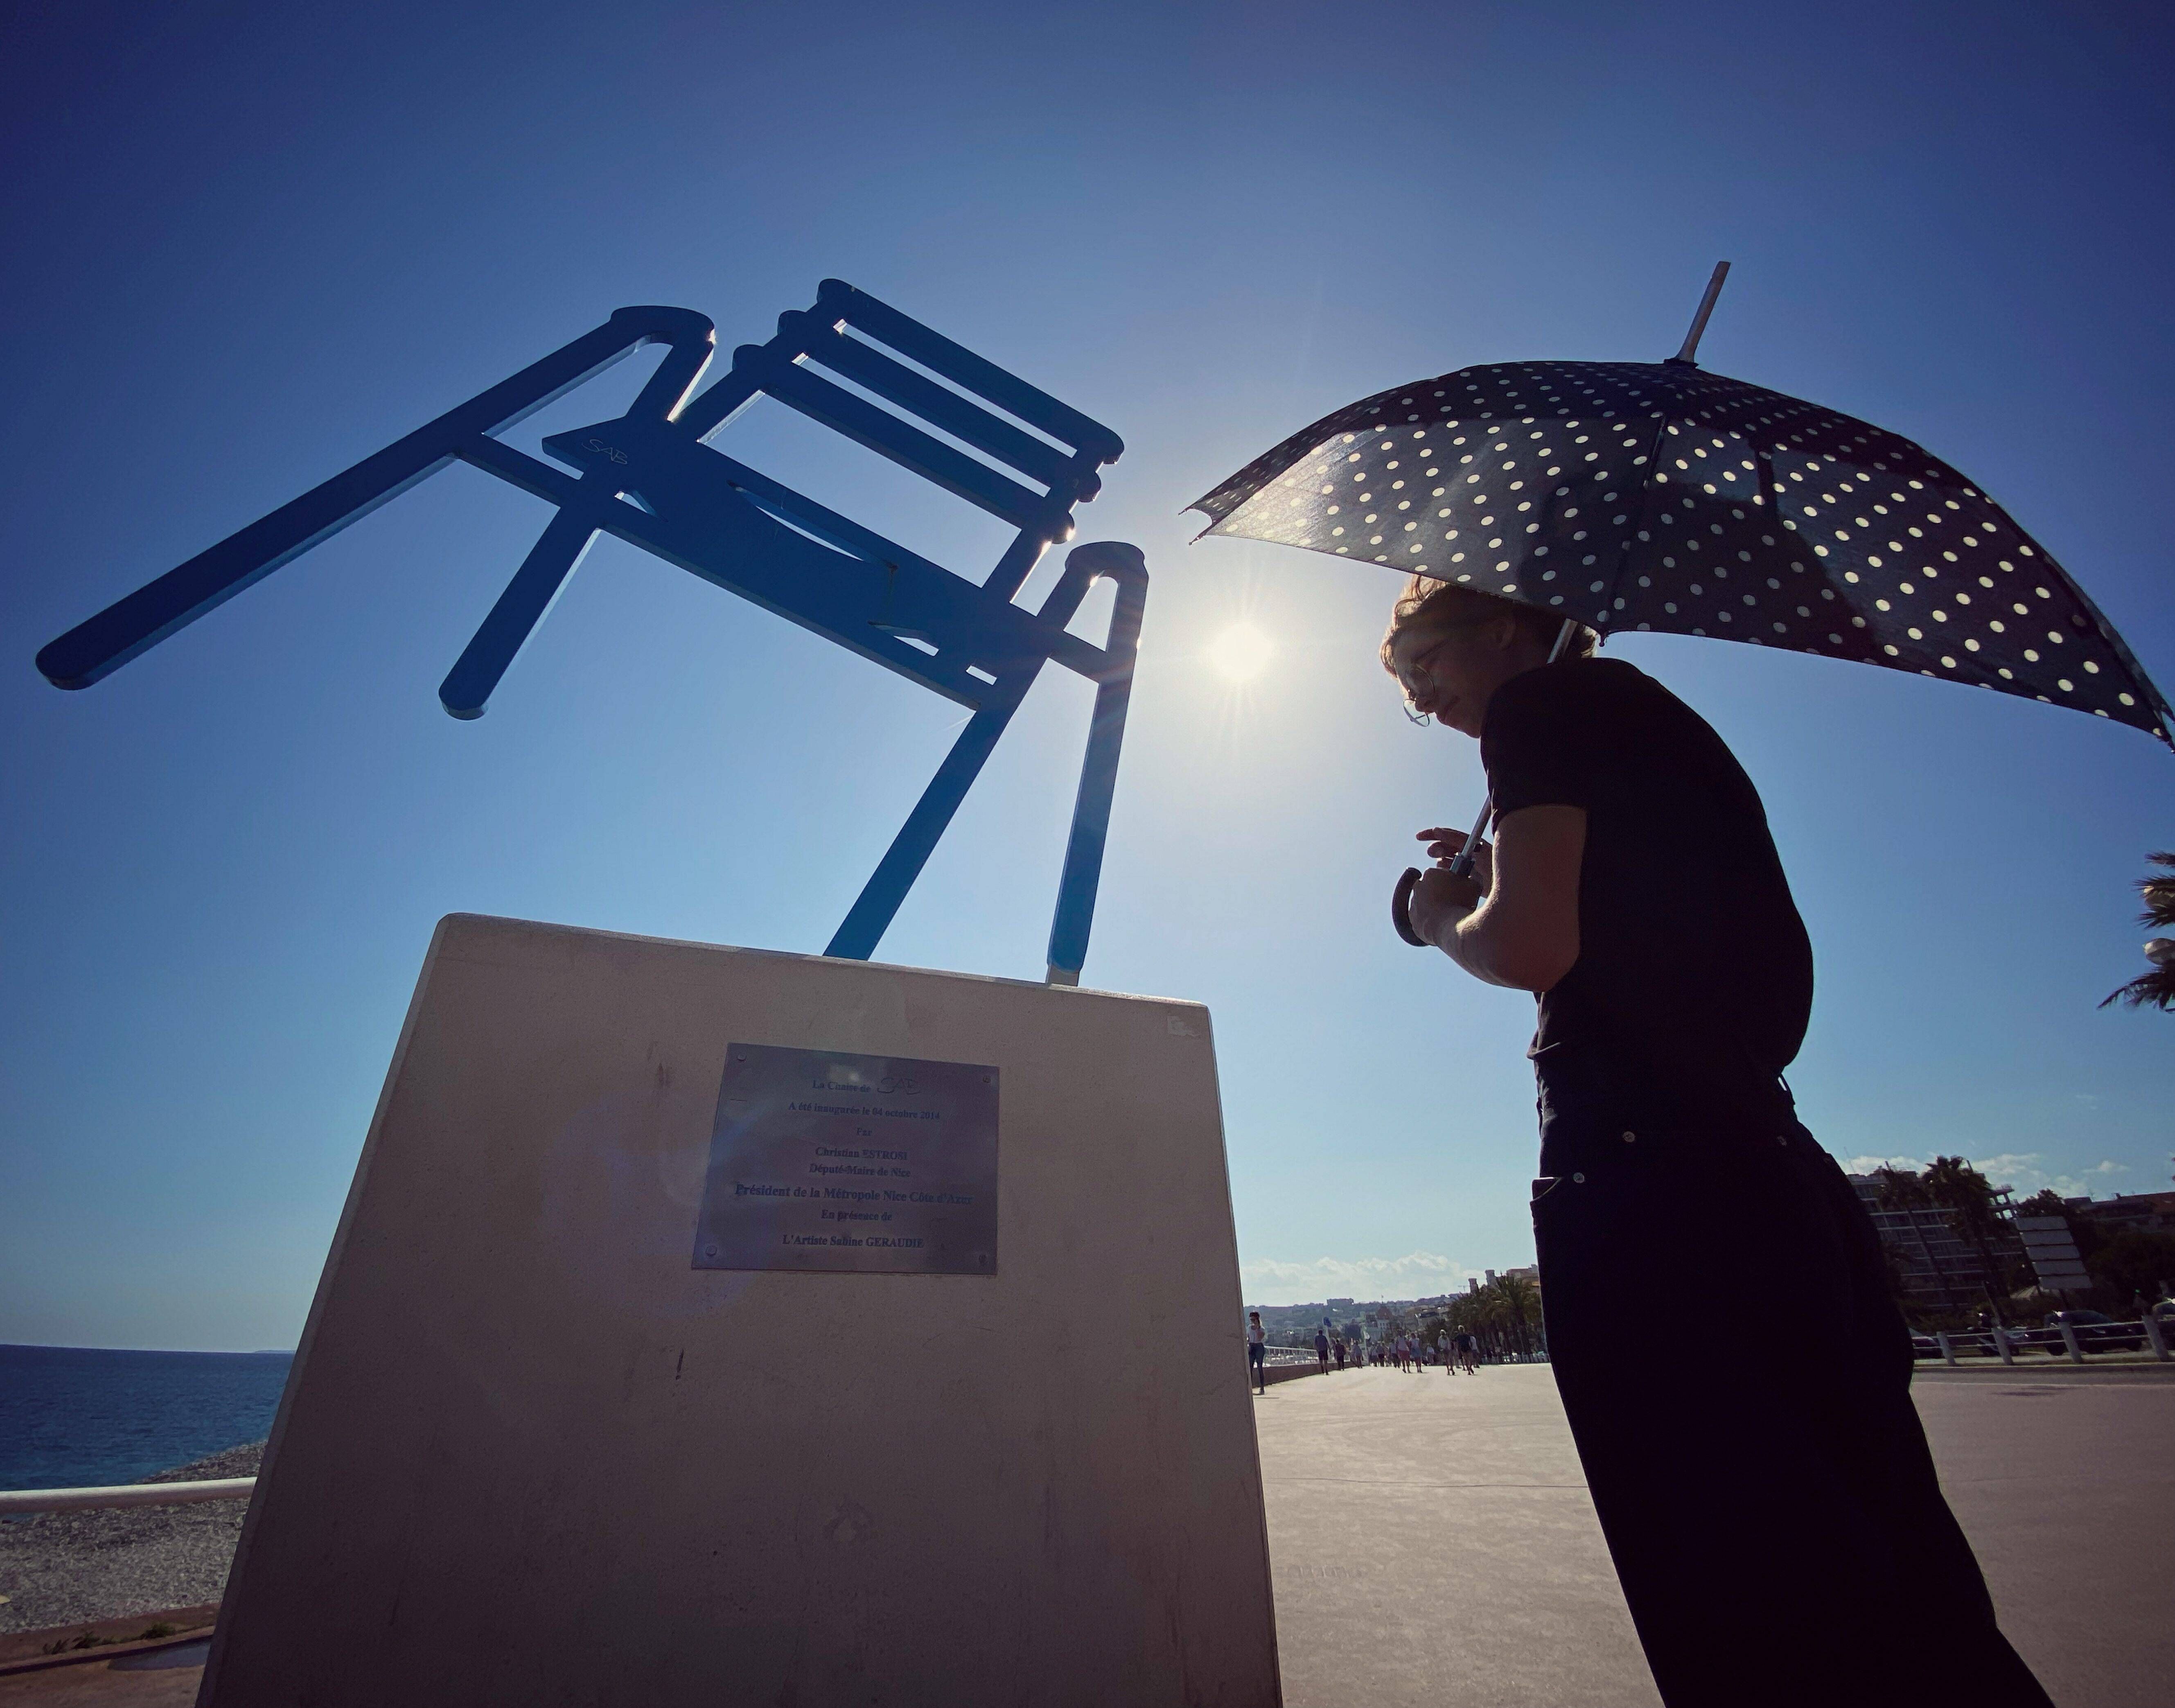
(86,1416)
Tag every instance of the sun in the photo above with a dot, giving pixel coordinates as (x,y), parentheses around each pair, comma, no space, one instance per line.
(1241,653)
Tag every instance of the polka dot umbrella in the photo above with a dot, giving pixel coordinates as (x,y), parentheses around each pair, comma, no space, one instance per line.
(1657,497)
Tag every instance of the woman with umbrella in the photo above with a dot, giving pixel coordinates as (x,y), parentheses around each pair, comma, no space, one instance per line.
(1769,1499)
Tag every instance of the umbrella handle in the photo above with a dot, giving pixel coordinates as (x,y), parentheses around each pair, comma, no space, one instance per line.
(1401,909)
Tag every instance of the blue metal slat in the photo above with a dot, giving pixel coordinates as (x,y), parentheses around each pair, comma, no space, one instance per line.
(890,436)
(836,299)
(867,366)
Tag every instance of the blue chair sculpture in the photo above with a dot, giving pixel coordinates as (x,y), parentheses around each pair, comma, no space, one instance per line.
(648,479)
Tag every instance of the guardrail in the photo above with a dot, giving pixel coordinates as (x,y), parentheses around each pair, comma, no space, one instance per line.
(126,1494)
(2072,1340)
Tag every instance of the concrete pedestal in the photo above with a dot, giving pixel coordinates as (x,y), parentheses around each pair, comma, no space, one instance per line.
(531,1455)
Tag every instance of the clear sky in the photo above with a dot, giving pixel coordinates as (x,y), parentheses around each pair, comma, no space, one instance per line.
(248,244)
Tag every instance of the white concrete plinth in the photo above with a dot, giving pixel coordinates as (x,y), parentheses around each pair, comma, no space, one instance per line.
(529,1454)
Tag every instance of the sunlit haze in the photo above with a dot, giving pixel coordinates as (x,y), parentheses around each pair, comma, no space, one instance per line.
(1241,653)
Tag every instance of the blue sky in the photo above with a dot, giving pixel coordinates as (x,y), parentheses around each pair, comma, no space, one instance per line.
(250,244)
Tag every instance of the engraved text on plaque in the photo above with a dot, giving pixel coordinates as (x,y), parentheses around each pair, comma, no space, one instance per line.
(822,1160)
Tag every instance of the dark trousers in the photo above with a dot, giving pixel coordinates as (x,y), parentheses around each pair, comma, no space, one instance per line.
(1738,1380)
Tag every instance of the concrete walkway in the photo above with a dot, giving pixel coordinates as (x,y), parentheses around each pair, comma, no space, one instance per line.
(1433,1542)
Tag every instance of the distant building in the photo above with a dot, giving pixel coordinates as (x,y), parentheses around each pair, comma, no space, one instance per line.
(1340,1304)
(2151,1212)
(1936,1268)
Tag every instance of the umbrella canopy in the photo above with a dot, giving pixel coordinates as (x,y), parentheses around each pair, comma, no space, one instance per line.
(1658,497)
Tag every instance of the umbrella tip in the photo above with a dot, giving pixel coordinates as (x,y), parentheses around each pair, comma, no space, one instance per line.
(1688,354)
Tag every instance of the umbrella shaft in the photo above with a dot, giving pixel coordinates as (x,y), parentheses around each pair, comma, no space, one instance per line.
(1460,863)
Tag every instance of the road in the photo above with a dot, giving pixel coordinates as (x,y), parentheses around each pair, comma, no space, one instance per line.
(1433,1542)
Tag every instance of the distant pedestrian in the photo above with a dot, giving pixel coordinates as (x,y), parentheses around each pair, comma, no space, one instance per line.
(1257,1351)
(1321,1351)
(1339,1348)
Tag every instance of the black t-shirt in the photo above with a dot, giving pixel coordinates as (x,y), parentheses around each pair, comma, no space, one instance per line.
(1695,977)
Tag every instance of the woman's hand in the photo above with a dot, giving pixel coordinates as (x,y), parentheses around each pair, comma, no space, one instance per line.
(1518,925)
(1441,901)
(1443,845)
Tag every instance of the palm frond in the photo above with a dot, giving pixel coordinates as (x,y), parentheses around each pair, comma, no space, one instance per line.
(2153,989)
(1901,1189)
(2158,890)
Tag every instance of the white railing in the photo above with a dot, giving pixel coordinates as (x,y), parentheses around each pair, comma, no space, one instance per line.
(126,1494)
(2068,1340)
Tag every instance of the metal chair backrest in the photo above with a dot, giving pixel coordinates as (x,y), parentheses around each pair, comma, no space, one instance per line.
(649,478)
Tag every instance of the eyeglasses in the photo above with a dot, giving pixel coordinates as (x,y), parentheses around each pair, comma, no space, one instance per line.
(1418,682)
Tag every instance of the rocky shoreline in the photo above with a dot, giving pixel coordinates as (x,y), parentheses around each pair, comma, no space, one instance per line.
(77,1568)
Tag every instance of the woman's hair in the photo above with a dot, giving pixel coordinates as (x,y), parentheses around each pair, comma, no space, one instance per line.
(1427,603)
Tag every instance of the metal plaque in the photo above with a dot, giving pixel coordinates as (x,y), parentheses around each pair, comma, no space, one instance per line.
(870,1163)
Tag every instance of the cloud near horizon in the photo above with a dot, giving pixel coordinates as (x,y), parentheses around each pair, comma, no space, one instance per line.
(1417,1274)
(2020,1170)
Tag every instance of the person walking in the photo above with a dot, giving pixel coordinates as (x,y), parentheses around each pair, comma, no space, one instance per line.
(1767,1511)
(1257,1351)
(1321,1351)
(1338,1346)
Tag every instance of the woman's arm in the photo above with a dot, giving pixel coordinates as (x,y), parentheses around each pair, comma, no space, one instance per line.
(1516,925)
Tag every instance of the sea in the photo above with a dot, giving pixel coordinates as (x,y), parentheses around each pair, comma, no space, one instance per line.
(85,1416)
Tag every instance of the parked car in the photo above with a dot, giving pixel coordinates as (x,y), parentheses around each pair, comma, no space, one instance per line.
(2097,1332)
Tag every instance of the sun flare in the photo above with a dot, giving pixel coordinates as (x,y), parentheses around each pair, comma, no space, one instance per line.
(1241,653)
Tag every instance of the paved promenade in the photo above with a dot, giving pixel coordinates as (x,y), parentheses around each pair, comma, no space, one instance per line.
(1434,1544)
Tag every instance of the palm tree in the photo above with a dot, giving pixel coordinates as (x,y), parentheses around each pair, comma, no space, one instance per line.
(1518,1303)
(1902,1190)
(1967,1197)
(2155,989)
